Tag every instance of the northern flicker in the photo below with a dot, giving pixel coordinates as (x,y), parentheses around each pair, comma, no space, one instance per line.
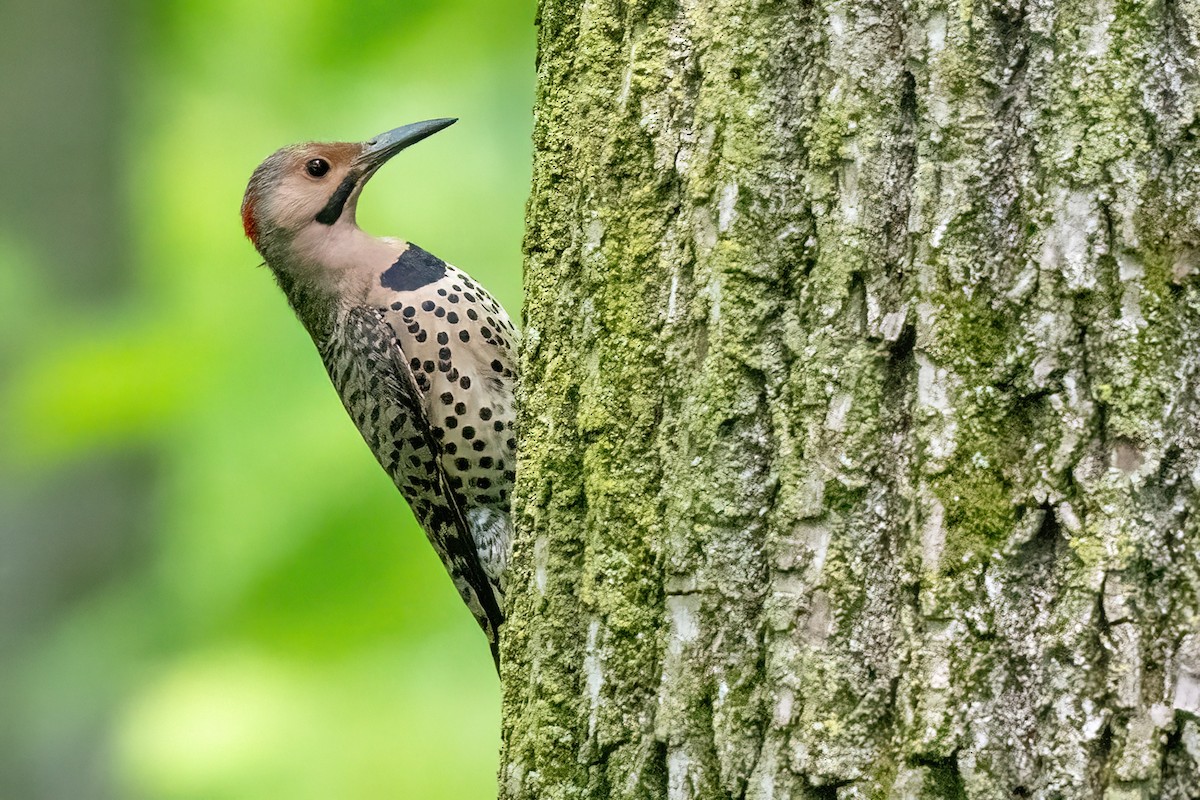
(422,356)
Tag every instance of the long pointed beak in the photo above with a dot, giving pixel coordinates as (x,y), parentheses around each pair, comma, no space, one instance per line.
(386,145)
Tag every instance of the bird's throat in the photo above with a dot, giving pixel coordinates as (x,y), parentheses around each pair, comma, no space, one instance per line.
(324,266)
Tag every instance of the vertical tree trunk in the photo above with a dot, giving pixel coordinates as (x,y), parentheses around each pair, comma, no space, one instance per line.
(860,416)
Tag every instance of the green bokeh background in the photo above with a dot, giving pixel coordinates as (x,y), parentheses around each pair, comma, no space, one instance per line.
(208,588)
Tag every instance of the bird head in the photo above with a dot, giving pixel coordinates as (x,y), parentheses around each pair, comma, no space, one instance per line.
(304,196)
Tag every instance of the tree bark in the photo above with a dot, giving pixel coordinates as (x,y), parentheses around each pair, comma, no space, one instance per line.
(860,423)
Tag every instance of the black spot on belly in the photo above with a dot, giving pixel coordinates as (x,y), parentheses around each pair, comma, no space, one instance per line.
(413,269)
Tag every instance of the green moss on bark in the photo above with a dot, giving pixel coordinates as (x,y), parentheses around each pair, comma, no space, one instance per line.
(858,423)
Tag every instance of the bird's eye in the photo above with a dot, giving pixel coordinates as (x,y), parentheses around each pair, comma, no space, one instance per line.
(317,167)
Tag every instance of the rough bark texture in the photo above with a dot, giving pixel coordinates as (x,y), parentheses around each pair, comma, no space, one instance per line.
(860,431)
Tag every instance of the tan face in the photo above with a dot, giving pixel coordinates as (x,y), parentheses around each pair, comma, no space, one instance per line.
(307,191)
(300,186)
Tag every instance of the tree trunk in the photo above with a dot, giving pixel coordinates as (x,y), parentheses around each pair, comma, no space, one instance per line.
(860,423)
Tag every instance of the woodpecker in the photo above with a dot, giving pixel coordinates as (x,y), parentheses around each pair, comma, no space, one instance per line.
(421,355)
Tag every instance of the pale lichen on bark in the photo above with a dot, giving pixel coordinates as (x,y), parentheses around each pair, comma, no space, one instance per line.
(860,439)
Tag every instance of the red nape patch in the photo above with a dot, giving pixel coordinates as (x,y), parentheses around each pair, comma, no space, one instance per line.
(248,223)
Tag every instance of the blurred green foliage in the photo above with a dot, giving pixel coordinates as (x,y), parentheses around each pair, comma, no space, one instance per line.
(208,588)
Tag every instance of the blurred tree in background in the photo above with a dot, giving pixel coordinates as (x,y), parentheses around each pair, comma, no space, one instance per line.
(208,588)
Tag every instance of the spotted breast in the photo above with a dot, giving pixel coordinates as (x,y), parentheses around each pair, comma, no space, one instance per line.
(426,372)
